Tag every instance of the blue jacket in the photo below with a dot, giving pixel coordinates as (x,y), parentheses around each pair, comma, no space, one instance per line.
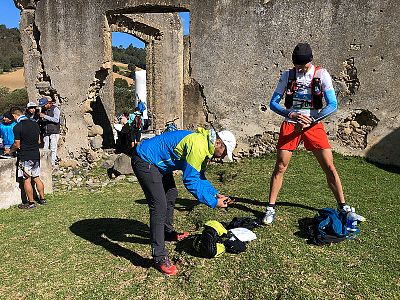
(141,106)
(187,151)
(6,132)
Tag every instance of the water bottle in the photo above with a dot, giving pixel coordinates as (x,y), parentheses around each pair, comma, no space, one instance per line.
(351,223)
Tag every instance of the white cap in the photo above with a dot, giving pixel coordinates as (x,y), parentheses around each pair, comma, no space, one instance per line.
(229,141)
(31,104)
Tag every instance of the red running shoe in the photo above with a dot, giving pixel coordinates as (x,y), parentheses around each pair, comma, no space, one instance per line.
(176,236)
(165,266)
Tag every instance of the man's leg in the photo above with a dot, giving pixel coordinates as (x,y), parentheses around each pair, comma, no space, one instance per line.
(28,189)
(282,161)
(39,186)
(171,193)
(53,147)
(325,159)
(46,142)
(150,179)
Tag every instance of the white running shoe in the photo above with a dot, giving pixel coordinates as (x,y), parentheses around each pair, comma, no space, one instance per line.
(346,208)
(269,215)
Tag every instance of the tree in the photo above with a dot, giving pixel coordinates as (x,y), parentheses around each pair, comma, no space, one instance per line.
(122,83)
(9,99)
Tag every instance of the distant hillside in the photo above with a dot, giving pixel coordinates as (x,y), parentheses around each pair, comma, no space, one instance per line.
(132,56)
(10,49)
(13,80)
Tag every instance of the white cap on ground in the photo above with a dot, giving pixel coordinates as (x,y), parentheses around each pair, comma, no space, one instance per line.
(229,141)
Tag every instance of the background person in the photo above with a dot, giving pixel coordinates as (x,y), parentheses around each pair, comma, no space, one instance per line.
(50,123)
(302,123)
(6,132)
(32,112)
(27,134)
(153,162)
(136,123)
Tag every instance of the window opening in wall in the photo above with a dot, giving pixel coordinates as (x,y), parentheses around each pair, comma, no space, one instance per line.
(129,57)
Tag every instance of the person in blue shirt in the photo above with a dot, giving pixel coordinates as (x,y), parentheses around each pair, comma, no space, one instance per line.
(153,162)
(141,105)
(6,131)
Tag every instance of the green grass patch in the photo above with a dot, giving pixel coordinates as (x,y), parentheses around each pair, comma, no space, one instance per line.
(94,244)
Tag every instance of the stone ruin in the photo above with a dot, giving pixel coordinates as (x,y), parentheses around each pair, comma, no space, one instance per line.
(224,73)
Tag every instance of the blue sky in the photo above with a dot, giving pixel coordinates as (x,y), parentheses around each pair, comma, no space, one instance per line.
(9,16)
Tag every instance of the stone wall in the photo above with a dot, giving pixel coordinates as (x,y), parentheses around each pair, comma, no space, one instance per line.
(237,51)
(12,191)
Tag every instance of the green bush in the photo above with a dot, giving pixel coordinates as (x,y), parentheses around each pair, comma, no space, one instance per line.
(115,69)
(124,97)
(10,49)
(9,99)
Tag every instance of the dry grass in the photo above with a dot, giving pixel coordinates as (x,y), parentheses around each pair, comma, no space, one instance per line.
(13,80)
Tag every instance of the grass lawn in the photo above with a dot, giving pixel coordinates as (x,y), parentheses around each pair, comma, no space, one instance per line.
(94,244)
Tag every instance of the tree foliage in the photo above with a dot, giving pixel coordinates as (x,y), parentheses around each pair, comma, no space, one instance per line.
(10,49)
(9,99)
(132,56)
(124,99)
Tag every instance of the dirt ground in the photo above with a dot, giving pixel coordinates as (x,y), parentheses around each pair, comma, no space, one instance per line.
(13,80)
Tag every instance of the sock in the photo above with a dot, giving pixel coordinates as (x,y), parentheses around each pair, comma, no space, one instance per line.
(341,205)
(271,205)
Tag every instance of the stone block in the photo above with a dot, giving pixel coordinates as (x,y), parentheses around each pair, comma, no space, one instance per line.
(11,192)
(122,165)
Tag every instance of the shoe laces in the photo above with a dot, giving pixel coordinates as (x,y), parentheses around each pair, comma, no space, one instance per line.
(270,210)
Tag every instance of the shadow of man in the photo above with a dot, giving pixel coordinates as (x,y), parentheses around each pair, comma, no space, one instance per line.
(107,232)
(181,204)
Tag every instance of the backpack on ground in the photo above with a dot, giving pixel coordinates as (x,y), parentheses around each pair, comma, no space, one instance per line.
(215,240)
(329,226)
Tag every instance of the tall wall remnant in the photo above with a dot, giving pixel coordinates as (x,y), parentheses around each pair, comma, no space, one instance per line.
(237,52)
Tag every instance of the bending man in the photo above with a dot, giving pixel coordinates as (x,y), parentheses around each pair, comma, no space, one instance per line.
(153,162)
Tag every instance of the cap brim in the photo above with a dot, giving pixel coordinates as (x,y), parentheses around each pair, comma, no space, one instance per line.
(230,155)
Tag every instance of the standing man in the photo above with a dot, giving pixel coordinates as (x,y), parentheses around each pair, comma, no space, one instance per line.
(304,86)
(153,162)
(50,121)
(27,134)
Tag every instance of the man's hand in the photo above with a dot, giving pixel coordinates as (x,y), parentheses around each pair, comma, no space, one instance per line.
(223,201)
(300,118)
(298,127)
(42,115)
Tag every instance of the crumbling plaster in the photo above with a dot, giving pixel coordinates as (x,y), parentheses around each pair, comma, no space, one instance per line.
(238,51)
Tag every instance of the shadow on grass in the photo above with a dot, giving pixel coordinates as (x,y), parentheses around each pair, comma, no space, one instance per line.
(181,204)
(240,204)
(107,232)
(297,205)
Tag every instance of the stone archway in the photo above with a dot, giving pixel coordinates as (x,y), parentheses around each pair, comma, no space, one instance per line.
(163,36)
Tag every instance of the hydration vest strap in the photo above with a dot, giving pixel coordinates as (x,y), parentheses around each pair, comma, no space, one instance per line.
(316,90)
(290,88)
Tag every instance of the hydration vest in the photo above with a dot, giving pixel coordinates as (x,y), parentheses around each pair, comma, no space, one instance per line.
(316,91)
